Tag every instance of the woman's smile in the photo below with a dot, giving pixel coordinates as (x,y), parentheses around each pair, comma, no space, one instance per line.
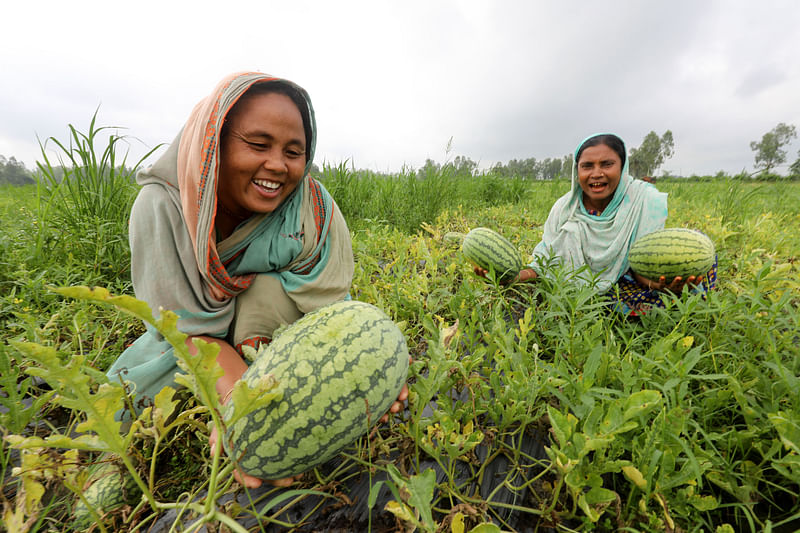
(267,188)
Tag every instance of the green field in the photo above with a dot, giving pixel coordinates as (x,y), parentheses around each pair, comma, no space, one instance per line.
(686,419)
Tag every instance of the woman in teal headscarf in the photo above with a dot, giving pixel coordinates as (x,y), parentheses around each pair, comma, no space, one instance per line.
(597,221)
(231,232)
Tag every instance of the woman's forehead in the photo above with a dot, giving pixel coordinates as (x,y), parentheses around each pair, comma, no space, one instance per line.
(598,152)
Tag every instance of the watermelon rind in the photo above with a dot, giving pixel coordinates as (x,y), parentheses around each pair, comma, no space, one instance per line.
(339,369)
(489,250)
(672,252)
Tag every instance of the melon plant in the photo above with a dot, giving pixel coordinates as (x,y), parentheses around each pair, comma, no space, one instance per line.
(339,369)
(672,252)
(489,250)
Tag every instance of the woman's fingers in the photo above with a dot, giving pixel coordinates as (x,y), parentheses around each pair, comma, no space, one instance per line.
(251,482)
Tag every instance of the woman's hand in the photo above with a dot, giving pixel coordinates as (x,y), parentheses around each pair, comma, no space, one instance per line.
(676,285)
(526,274)
(398,404)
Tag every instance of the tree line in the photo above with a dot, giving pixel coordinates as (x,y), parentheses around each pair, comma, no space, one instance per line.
(14,172)
(644,160)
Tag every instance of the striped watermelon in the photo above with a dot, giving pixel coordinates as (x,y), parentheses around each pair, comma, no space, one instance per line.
(109,488)
(489,250)
(332,365)
(672,252)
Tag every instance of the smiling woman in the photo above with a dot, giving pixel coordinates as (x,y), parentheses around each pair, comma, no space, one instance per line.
(592,227)
(231,233)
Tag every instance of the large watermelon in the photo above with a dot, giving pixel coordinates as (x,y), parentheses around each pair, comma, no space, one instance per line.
(672,252)
(490,250)
(333,366)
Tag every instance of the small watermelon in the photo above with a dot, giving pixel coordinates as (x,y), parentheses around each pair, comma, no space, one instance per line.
(110,487)
(489,250)
(454,237)
(337,368)
(672,252)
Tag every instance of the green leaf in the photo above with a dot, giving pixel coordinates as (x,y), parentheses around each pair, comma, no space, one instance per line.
(788,429)
(418,490)
(246,399)
(73,388)
(201,369)
(563,425)
(640,402)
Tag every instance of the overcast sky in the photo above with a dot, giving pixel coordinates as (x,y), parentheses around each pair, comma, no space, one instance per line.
(393,82)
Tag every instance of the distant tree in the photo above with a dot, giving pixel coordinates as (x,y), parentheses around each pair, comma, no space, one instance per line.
(566,166)
(463,165)
(654,150)
(549,169)
(770,152)
(14,172)
(430,168)
(794,170)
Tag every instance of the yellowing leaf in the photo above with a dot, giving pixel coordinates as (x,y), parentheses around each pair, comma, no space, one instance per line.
(449,333)
(401,511)
(486,527)
(468,428)
(634,476)
(457,524)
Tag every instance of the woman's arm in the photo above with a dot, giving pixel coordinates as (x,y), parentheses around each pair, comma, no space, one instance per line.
(526,274)
(234,367)
(228,358)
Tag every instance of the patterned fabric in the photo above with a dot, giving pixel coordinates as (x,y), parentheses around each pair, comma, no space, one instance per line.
(299,256)
(252,342)
(630,298)
(574,237)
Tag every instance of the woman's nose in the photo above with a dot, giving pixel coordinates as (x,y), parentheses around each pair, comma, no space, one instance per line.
(274,161)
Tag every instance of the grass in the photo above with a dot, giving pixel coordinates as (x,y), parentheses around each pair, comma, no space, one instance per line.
(687,419)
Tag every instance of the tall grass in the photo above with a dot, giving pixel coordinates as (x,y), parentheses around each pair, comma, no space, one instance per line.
(408,200)
(84,201)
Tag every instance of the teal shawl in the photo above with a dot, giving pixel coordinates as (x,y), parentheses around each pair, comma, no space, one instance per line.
(574,238)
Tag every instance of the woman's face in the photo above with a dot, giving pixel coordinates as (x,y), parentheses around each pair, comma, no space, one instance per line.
(263,154)
(599,171)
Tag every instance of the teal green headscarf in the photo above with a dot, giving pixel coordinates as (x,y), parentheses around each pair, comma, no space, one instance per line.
(574,237)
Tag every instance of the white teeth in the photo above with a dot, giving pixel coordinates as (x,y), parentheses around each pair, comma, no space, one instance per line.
(267,184)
